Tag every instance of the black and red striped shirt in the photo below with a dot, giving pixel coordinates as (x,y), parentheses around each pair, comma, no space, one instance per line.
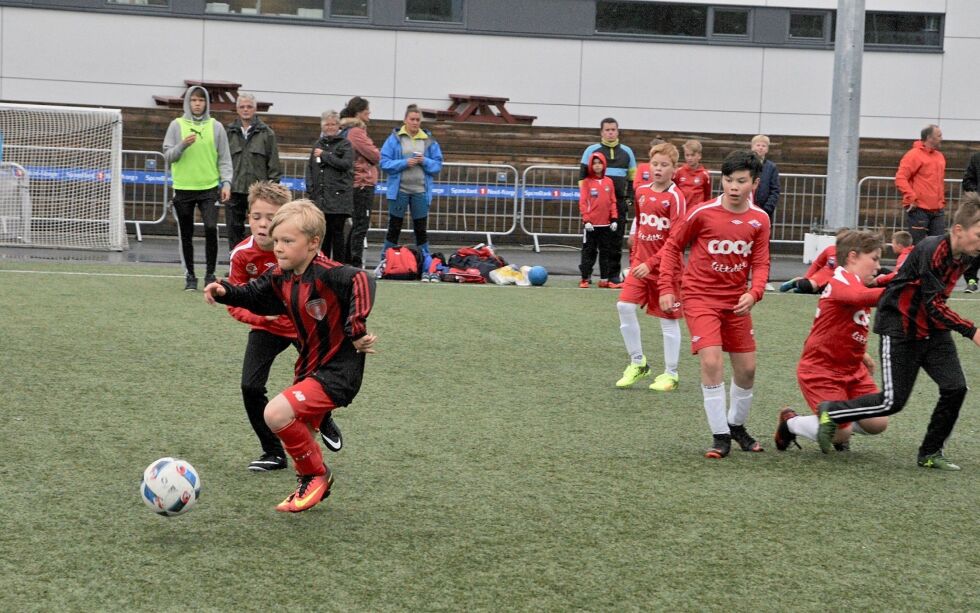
(914,303)
(329,305)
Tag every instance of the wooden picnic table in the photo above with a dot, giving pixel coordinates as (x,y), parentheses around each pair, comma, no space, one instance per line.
(477,109)
(224,95)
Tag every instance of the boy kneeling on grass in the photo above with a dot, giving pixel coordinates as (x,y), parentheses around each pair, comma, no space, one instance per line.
(328,303)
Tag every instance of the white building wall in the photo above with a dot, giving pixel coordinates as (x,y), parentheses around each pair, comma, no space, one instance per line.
(122,60)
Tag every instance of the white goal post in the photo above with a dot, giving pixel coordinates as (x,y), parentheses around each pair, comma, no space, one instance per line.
(61,177)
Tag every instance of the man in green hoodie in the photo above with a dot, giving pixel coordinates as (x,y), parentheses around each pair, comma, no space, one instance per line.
(196,147)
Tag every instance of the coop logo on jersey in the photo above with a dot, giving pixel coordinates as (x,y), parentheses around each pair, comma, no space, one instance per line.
(252,269)
(726,247)
(755,223)
(317,309)
(654,221)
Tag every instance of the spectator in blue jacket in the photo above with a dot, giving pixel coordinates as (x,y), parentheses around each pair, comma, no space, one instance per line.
(410,158)
(767,194)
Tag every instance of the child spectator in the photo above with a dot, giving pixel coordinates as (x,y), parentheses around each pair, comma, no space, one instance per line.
(329,303)
(270,335)
(835,362)
(196,147)
(597,205)
(914,324)
(692,178)
(659,207)
(729,240)
(902,246)
(330,182)
(821,270)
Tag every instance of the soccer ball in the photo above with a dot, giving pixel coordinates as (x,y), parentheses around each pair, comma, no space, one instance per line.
(170,486)
(538,275)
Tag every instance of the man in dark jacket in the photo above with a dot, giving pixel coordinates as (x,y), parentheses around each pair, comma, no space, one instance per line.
(254,157)
(767,194)
(971,178)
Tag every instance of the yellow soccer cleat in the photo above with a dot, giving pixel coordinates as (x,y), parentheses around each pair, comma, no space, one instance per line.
(665,382)
(633,373)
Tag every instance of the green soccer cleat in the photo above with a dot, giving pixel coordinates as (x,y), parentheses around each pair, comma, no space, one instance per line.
(971,286)
(665,382)
(826,430)
(633,373)
(938,461)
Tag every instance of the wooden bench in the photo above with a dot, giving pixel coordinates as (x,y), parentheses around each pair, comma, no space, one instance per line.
(224,95)
(477,109)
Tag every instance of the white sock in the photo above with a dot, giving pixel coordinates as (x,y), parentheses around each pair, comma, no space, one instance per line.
(714,408)
(629,325)
(740,403)
(671,329)
(804,425)
(857,429)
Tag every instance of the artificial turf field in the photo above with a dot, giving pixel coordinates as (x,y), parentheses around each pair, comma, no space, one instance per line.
(489,464)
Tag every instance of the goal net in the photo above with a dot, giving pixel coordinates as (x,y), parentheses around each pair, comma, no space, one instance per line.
(61,177)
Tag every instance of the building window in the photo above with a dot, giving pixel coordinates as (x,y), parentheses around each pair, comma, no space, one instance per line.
(907,29)
(808,26)
(652,19)
(730,22)
(446,11)
(348,8)
(163,3)
(306,9)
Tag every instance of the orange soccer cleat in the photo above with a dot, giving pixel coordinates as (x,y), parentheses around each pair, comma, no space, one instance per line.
(312,489)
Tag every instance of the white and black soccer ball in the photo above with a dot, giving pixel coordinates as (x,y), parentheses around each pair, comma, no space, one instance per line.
(170,486)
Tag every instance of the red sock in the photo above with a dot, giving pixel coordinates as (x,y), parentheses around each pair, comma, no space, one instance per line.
(302,448)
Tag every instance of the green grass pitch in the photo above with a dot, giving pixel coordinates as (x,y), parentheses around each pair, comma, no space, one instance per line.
(489,464)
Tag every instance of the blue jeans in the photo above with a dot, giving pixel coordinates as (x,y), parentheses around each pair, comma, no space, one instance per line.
(926,223)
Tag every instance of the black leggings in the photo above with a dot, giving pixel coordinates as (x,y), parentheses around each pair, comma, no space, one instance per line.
(333,239)
(419,226)
(185,201)
(260,353)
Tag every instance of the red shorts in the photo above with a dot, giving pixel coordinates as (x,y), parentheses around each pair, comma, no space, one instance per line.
(645,292)
(711,327)
(309,401)
(819,385)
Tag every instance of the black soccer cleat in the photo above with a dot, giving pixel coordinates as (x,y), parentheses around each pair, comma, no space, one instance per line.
(783,437)
(190,283)
(745,441)
(721,447)
(268,461)
(330,434)
(209,279)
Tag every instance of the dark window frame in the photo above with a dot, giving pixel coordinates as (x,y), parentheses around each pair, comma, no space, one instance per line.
(712,13)
(330,15)
(131,4)
(440,24)
(828,24)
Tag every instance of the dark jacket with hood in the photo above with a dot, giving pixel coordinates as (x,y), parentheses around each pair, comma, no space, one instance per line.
(330,176)
(255,157)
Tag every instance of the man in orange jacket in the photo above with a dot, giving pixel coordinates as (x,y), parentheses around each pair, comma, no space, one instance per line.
(921,179)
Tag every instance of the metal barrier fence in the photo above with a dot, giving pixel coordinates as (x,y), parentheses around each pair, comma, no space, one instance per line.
(880,203)
(146,188)
(467,199)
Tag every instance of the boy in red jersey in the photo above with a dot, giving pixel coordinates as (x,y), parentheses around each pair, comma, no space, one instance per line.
(821,269)
(597,205)
(729,239)
(835,362)
(914,325)
(902,246)
(692,178)
(659,206)
(328,303)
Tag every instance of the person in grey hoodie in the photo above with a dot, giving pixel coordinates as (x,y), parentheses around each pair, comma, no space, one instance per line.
(196,148)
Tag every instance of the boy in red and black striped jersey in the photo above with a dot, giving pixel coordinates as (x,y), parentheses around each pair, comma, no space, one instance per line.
(328,303)
(914,324)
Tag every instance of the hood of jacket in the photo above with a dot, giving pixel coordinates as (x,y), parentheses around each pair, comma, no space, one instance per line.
(592,158)
(351,122)
(187,104)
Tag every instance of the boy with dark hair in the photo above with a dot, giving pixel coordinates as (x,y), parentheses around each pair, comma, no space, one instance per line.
(660,206)
(597,206)
(328,303)
(835,362)
(269,335)
(729,240)
(914,324)
(196,147)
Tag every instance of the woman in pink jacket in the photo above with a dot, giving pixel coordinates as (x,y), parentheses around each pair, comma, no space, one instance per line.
(353,125)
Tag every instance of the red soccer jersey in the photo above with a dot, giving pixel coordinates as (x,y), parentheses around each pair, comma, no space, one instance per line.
(882,280)
(695,184)
(656,213)
(839,337)
(822,267)
(642,176)
(725,248)
(248,261)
